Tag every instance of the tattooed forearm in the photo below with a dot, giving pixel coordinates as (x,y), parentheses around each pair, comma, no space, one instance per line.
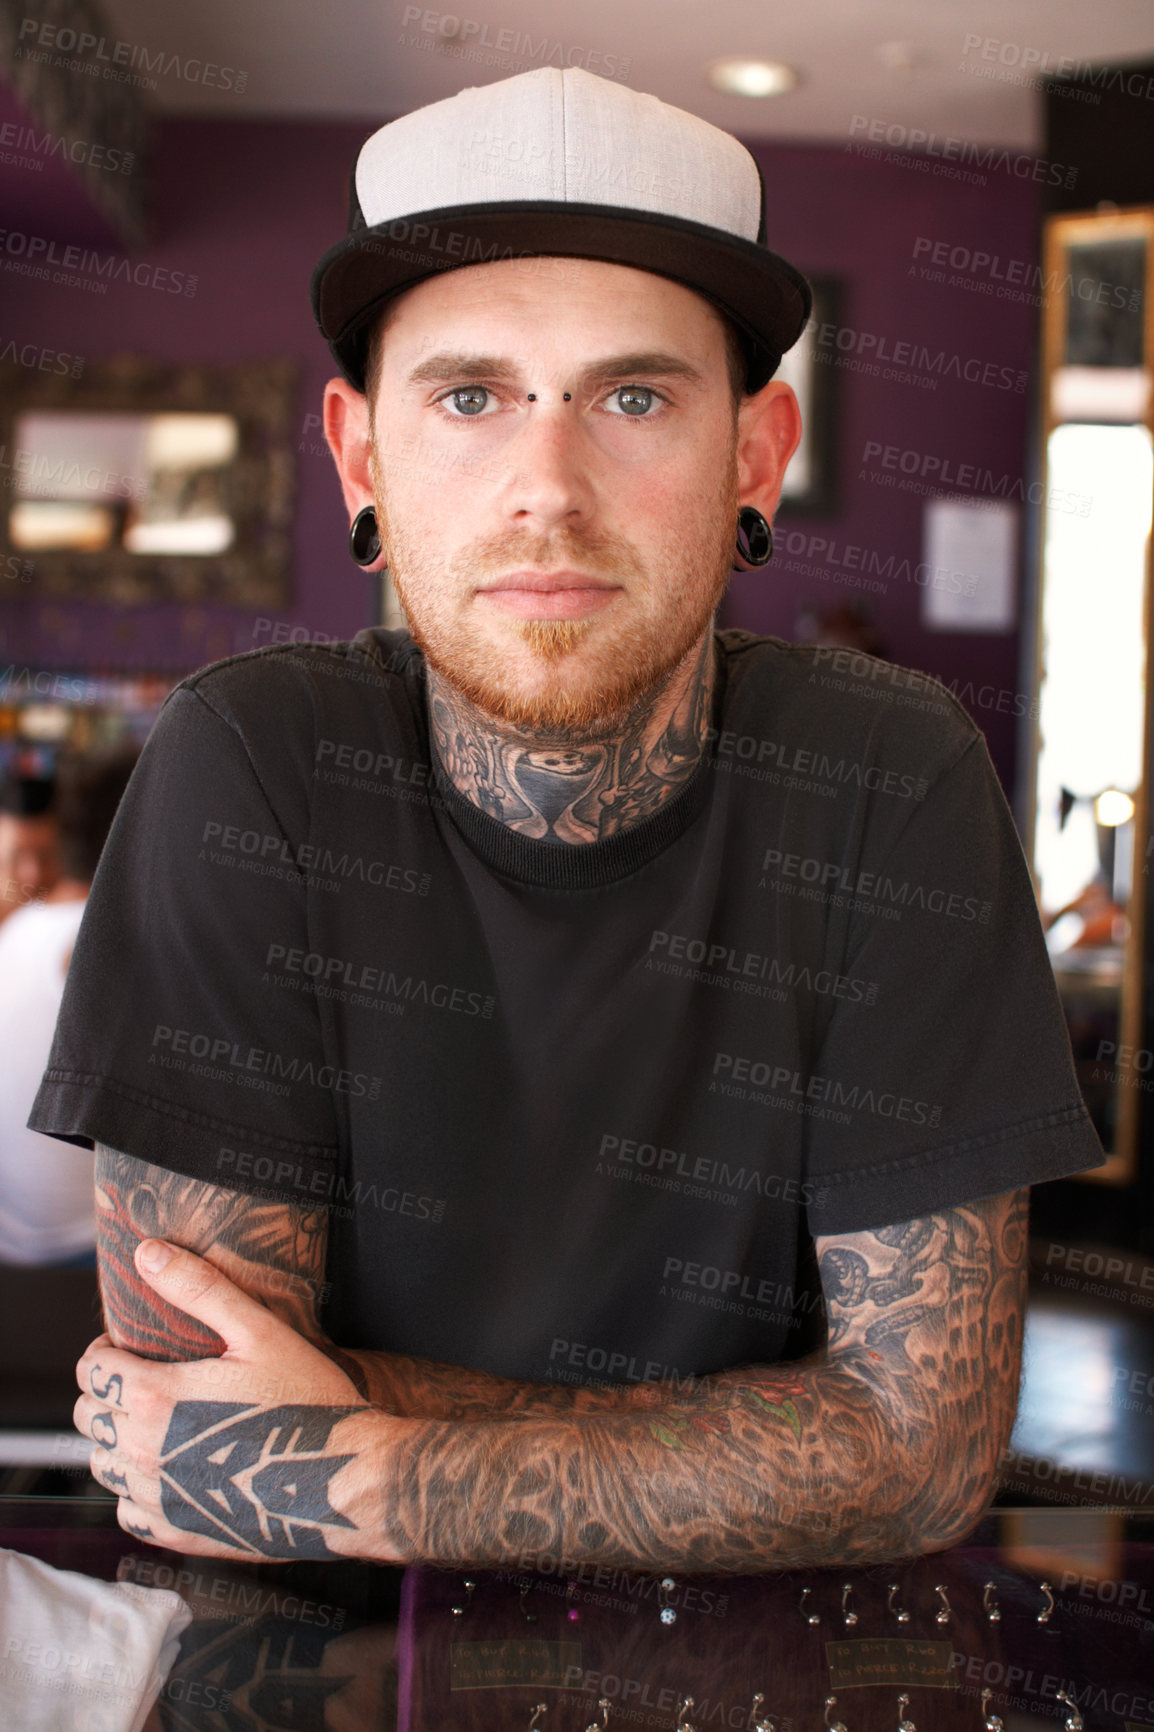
(884,1446)
(275,1251)
(562,789)
(425,1389)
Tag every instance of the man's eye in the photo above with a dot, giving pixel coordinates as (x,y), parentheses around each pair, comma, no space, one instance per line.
(467,399)
(635,400)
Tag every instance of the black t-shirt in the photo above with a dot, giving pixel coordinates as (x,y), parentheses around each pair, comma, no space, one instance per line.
(575,1110)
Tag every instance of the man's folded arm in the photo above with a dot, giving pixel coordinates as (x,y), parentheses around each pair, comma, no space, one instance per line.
(274,1251)
(884,1445)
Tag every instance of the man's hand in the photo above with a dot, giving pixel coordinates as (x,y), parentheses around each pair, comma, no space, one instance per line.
(267,1451)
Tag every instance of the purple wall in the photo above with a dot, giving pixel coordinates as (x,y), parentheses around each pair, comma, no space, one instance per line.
(839,214)
(248,207)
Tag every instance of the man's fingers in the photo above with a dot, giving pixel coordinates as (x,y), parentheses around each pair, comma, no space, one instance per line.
(102,1369)
(195,1287)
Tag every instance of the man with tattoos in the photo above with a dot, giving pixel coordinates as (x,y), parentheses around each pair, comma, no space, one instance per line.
(564,1079)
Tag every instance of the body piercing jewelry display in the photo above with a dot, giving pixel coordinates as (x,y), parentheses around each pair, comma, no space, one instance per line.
(810,1617)
(666,1586)
(990,1605)
(541,1708)
(683,1708)
(600,1725)
(847,1611)
(942,1617)
(760,1722)
(1073,1718)
(904,1725)
(529,1617)
(1047,1611)
(993,1723)
(834,1725)
(902,1617)
(459,1611)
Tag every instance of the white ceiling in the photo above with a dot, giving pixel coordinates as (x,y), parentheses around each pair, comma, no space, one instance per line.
(355,59)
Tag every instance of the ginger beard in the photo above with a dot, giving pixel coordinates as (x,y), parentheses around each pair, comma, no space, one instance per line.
(587,676)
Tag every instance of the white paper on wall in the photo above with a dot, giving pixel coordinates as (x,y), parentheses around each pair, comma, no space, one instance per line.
(970,547)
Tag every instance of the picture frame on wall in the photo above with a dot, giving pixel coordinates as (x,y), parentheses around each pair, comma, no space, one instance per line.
(810,485)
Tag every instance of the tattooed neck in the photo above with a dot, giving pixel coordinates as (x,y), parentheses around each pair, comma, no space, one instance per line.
(572,789)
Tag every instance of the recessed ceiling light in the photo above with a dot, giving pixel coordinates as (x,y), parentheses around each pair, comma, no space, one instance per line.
(898,56)
(743,77)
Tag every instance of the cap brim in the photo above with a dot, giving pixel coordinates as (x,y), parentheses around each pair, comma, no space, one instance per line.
(765,296)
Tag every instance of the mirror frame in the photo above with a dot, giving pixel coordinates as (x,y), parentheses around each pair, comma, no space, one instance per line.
(1060,234)
(256,571)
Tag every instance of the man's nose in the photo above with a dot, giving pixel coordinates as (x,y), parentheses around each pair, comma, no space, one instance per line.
(549,465)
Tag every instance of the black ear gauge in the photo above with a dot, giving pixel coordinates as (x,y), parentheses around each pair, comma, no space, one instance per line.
(364,536)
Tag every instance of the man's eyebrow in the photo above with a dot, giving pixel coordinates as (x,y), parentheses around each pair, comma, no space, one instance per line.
(651,363)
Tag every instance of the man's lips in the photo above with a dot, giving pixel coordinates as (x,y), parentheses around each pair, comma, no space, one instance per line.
(550,595)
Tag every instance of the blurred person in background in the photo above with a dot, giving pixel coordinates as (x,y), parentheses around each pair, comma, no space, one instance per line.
(28,841)
(47,1206)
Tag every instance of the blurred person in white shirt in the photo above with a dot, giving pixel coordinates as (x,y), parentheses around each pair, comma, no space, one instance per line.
(46,1186)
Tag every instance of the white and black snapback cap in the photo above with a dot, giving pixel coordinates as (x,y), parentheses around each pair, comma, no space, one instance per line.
(563,163)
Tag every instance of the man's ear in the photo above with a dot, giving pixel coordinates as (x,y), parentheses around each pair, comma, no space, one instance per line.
(346,424)
(768,434)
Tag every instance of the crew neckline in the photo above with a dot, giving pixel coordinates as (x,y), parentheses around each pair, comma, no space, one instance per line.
(581,865)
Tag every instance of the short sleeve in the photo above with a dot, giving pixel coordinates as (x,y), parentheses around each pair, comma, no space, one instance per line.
(957,1081)
(170,1044)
